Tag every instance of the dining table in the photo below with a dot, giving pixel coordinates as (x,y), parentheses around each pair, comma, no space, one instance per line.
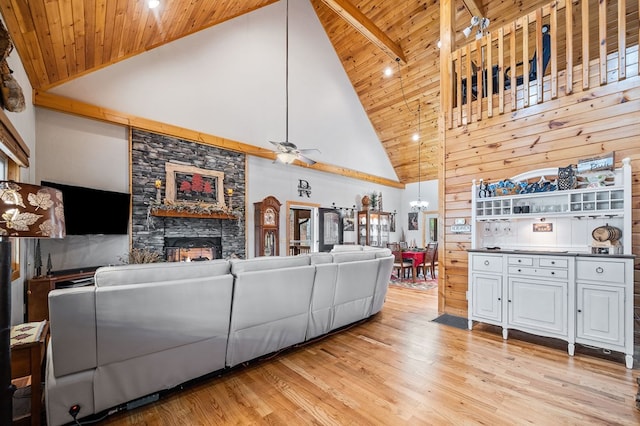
(417,256)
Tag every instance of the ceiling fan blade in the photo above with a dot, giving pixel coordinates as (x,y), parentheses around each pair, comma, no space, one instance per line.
(309,151)
(307,160)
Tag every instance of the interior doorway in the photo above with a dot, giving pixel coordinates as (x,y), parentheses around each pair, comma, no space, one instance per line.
(429,227)
(301,228)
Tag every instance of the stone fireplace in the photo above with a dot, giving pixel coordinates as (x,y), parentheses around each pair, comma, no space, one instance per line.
(187,249)
(221,237)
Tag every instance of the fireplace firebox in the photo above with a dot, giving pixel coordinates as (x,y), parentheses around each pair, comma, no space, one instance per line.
(188,249)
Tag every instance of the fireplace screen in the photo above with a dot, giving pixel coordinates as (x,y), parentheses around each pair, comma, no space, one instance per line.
(193,249)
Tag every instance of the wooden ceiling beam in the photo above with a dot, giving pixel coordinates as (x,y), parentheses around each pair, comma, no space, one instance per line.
(473,7)
(360,22)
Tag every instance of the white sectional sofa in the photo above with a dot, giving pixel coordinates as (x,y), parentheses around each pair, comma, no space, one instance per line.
(147,328)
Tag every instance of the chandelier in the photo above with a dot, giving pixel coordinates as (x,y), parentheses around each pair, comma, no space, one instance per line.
(419,204)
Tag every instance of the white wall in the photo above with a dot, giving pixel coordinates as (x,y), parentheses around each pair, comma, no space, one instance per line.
(89,153)
(280,180)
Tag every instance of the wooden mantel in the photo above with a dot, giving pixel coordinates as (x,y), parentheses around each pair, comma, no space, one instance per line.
(175,213)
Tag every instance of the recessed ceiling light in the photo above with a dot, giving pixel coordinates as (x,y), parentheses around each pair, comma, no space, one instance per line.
(388,71)
(153,4)
(416,137)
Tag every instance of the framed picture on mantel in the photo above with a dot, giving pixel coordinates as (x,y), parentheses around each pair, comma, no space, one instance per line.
(190,184)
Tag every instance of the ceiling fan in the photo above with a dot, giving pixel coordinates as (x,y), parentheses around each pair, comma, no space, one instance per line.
(287,152)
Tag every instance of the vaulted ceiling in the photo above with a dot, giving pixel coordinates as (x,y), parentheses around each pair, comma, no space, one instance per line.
(59,41)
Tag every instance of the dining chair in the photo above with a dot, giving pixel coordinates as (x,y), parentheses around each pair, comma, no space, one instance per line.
(430,256)
(393,246)
(401,265)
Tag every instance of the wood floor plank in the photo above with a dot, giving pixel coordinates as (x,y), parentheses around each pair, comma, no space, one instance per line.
(400,368)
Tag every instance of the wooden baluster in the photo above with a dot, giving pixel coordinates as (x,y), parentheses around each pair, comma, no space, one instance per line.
(539,57)
(468,75)
(602,39)
(585,44)
(488,65)
(553,20)
(569,40)
(525,61)
(501,70)
(459,85)
(622,41)
(479,85)
(514,89)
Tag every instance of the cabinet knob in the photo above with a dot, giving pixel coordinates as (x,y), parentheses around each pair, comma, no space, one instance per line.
(509,300)
(553,273)
(519,270)
(579,311)
(519,260)
(599,270)
(553,262)
(486,262)
(499,298)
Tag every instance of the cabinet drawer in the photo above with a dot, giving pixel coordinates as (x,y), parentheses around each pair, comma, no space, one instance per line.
(521,260)
(486,263)
(538,272)
(554,262)
(604,272)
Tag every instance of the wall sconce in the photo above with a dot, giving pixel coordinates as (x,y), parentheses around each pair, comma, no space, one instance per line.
(229,194)
(158,185)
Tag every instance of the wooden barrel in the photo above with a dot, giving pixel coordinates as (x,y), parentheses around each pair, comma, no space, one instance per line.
(606,233)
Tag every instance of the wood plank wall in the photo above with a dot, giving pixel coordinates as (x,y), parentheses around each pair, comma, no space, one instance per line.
(556,133)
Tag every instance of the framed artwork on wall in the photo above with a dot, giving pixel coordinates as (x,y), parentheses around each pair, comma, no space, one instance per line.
(413,221)
(191,185)
(348,223)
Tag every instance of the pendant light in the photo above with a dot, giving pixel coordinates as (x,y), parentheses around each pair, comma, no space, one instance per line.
(419,205)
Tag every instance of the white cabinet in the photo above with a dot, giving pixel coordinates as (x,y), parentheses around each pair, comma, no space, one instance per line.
(531,266)
(579,298)
(486,287)
(604,304)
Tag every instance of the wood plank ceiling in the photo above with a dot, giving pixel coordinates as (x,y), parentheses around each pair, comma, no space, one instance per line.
(61,40)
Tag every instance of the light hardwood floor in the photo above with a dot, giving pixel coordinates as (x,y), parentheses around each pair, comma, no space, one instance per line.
(399,368)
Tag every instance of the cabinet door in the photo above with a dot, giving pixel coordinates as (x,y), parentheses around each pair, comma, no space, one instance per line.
(538,305)
(486,297)
(600,316)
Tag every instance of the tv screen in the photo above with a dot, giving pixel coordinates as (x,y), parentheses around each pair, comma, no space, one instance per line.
(93,211)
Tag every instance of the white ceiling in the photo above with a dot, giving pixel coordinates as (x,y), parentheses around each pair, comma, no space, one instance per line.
(229,81)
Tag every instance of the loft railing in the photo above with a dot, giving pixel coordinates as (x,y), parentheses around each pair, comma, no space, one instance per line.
(542,56)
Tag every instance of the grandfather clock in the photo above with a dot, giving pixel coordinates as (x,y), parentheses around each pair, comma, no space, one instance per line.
(267,220)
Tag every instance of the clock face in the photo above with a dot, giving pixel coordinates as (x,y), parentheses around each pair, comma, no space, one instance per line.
(269,217)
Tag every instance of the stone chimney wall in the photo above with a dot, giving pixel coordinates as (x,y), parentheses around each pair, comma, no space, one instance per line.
(149,153)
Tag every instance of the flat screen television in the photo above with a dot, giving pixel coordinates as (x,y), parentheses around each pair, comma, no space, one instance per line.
(93,211)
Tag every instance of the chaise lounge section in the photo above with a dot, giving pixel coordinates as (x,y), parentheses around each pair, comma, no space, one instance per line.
(147,328)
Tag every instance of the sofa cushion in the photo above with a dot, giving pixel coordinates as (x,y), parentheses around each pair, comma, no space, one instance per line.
(155,272)
(266,263)
(320,258)
(72,313)
(353,256)
(346,247)
(146,318)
